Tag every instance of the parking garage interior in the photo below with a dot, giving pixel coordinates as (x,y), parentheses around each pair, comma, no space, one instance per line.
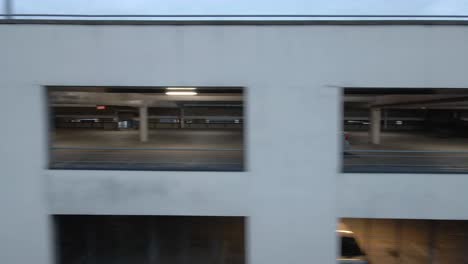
(412,241)
(146,128)
(149,239)
(405,130)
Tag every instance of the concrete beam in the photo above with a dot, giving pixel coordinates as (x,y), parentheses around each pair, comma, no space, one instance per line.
(202,117)
(135,99)
(398,101)
(359,99)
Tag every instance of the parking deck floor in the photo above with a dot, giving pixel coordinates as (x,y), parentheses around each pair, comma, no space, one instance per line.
(167,149)
(222,150)
(411,152)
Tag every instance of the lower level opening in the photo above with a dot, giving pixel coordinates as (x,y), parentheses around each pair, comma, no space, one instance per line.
(113,239)
(403,241)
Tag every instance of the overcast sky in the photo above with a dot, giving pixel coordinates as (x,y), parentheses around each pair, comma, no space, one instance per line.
(413,7)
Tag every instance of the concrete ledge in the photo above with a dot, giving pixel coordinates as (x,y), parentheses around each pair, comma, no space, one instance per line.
(238,22)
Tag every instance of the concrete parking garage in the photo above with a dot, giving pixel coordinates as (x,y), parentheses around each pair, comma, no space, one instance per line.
(411,130)
(162,128)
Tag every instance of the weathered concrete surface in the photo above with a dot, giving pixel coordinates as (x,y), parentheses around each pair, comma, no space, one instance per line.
(289,190)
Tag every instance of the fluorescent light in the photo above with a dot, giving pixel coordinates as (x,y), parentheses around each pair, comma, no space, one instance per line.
(181,88)
(181,93)
(344,231)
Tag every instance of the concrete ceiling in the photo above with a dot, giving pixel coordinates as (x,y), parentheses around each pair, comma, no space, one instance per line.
(445,100)
(409,101)
(76,98)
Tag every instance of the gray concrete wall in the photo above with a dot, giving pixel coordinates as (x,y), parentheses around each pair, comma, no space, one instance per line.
(291,73)
(417,196)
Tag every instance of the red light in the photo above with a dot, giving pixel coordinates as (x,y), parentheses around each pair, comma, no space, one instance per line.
(101,107)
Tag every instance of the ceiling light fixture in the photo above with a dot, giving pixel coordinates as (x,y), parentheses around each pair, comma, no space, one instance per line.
(181,93)
(344,231)
(181,88)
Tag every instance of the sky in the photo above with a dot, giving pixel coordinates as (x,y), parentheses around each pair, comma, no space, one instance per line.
(321,7)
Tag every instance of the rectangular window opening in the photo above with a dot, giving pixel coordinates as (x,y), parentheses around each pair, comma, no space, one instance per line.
(403,130)
(367,240)
(149,239)
(146,128)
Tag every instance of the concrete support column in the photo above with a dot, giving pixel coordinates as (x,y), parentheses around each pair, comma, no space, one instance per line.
(143,123)
(432,250)
(182,118)
(375,119)
(184,244)
(90,243)
(154,242)
(385,119)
